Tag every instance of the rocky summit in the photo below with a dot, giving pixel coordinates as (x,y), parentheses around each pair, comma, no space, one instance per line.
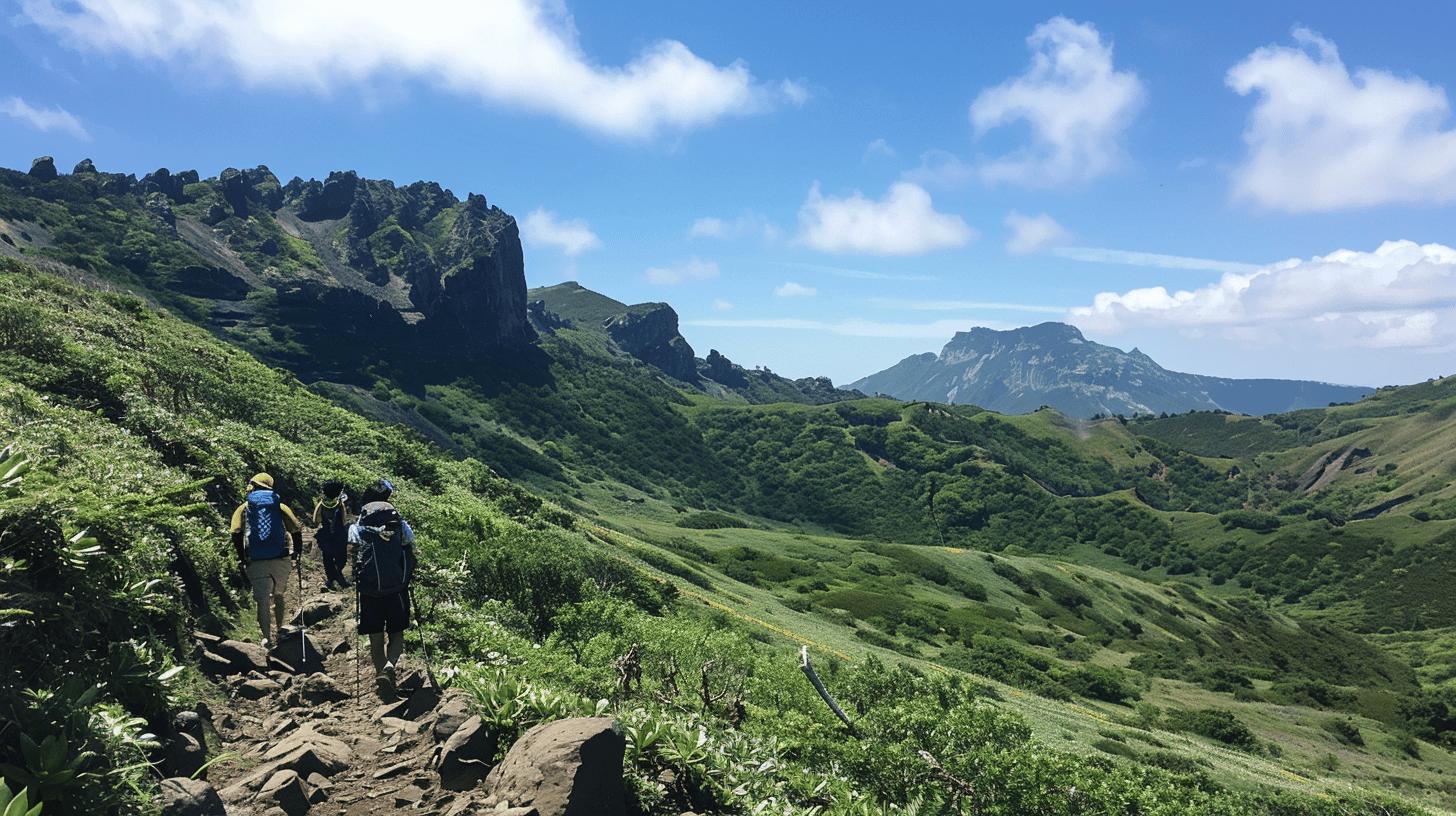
(1052,364)
(315,275)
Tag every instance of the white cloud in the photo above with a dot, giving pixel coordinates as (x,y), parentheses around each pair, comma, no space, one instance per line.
(1321,139)
(904,222)
(749,223)
(1073,99)
(721,305)
(852,327)
(1401,295)
(572,236)
(941,168)
(522,54)
(1126,257)
(43,119)
(791,289)
(693,269)
(878,149)
(1032,232)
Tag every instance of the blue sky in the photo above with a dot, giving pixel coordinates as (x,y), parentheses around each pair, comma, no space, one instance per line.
(824,189)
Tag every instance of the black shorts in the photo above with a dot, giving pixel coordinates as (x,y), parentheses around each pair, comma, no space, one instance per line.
(383,613)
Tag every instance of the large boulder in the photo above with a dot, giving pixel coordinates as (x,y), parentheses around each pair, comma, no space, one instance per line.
(319,609)
(307,751)
(84,167)
(297,653)
(43,168)
(241,657)
(321,688)
(287,790)
(180,796)
(465,757)
(452,713)
(568,767)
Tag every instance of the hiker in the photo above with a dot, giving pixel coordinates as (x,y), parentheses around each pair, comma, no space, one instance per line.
(331,523)
(384,563)
(261,527)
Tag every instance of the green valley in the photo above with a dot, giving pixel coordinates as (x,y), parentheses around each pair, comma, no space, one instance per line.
(1201,613)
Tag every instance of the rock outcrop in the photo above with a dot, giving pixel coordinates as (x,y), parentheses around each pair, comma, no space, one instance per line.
(569,767)
(181,796)
(44,169)
(650,333)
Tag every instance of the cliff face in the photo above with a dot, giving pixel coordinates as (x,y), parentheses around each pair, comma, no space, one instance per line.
(320,276)
(649,332)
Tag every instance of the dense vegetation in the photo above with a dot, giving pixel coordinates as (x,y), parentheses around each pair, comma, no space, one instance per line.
(141,427)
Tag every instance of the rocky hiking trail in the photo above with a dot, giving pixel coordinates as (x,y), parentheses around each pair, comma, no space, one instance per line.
(292,738)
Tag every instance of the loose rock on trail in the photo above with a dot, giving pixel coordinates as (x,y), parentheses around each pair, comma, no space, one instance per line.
(298,740)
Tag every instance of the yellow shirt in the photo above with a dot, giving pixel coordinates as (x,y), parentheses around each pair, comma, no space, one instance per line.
(290,521)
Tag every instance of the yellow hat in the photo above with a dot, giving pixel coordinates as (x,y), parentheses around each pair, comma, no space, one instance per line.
(262,480)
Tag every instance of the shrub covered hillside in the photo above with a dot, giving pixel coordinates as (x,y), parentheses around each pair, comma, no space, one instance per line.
(140,429)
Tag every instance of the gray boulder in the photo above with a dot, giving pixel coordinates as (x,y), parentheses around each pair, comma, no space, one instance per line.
(452,713)
(287,791)
(84,167)
(181,796)
(570,767)
(465,758)
(241,657)
(43,168)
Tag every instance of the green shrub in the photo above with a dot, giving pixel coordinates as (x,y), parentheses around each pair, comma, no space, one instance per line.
(710,520)
(1216,724)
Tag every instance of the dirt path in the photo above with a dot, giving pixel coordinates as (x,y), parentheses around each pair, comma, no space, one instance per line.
(353,754)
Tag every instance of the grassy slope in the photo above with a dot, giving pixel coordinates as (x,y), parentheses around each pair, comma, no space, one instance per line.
(147,414)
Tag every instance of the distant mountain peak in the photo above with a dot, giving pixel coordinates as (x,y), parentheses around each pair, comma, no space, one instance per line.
(1018,370)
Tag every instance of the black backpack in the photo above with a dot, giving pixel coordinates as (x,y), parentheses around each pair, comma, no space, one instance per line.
(382,562)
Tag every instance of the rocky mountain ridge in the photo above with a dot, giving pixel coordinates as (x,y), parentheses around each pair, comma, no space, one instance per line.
(650,333)
(1020,370)
(316,275)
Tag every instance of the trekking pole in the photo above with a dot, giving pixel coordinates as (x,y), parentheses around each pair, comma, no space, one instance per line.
(424,645)
(302,616)
(355,636)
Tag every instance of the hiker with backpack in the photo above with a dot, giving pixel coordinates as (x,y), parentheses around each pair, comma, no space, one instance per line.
(384,564)
(261,528)
(331,523)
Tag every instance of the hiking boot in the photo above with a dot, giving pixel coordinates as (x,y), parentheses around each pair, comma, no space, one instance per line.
(384,683)
(344,582)
(266,644)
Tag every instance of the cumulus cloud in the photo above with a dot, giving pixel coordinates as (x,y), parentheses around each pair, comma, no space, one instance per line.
(791,289)
(43,119)
(571,236)
(749,223)
(694,269)
(904,222)
(1402,295)
(1073,99)
(522,54)
(721,305)
(1030,233)
(1320,138)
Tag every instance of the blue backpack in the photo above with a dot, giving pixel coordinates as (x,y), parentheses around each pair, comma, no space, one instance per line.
(266,537)
(382,560)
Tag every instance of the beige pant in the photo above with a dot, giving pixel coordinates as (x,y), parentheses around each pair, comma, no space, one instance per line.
(270,580)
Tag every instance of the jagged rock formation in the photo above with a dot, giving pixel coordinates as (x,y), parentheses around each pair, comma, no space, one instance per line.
(1020,370)
(650,332)
(321,276)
